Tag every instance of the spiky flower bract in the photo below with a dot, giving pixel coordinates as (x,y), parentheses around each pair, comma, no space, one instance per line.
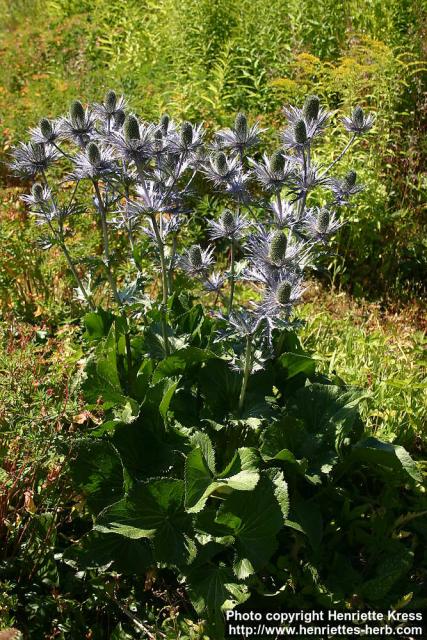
(344,188)
(135,143)
(273,173)
(321,223)
(109,111)
(196,261)
(230,225)
(47,132)
(33,158)
(239,138)
(79,125)
(93,163)
(222,170)
(358,123)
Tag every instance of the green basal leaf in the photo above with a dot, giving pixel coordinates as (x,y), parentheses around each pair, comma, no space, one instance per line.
(191,321)
(391,568)
(142,381)
(147,450)
(102,376)
(201,480)
(275,442)
(296,363)
(97,550)
(387,455)
(98,473)
(213,590)
(123,519)
(97,324)
(325,422)
(280,489)
(255,520)
(220,388)
(154,510)
(329,410)
(203,441)
(181,361)
(164,405)
(242,568)
(242,468)
(127,413)
(306,517)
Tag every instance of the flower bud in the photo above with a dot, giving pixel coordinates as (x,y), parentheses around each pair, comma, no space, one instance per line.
(350,179)
(39,151)
(278,246)
(93,153)
(119,118)
(227,220)
(311,107)
(195,256)
(37,192)
(284,291)
(221,164)
(45,128)
(158,140)
(77,114)
(164,123)
(358,116)
(323,220)
(241,125)
(131,128)
(186,133)
(110,101)
(300,132)
(277,161)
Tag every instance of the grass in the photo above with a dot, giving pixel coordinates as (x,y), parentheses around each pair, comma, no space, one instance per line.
(377,350)
(38,418)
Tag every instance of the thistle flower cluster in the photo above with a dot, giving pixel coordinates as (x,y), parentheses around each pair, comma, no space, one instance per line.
(142,178)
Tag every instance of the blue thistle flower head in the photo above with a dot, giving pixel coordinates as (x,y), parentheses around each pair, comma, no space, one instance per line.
(311,107)
(110,101)
(131,128)
(77,114)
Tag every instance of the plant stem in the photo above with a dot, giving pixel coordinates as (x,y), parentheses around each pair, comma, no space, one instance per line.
(306,163)
(106,243)
(60,239)
(161,248)
(110,276)
(247,371)
(230,303)
(334,162)
(171,262)
(75,274)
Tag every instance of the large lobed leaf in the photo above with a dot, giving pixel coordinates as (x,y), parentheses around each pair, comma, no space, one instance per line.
(254,519)
(201,479)
(153,510)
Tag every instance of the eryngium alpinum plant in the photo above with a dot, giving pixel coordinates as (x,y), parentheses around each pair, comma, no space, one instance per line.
(211,407)
(141,176)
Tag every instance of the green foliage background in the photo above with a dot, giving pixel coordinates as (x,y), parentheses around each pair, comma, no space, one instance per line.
(206,60)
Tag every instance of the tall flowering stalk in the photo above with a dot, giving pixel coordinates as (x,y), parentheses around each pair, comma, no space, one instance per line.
(142,176)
